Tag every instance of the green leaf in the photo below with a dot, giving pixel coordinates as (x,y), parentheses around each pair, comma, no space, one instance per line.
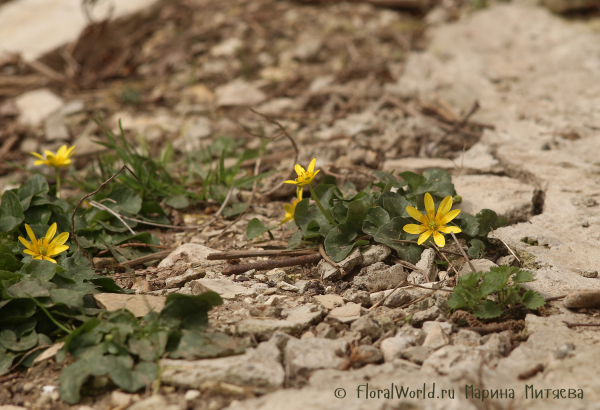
(393,230)
(152,207)
(38,215)
(487,310)
(200,345)
(339,242)
(489,220)
(67,297)
(413,180)
(189,312)
(6,360)
(469,224)
(40,269)
(295,240)
(533,300)
(376,217)
(8,339)
(456,300)
(339,211)
(71,379)
(255,228)
(523,276)
(177,201)
(469,280)
(17,310)
(357,211)
(144,237)
(235,209)
(477,249)
(35,185)
(127,200)
(9,262)
(492,282)
(396,205)
(440,181)
(108,285)
(30,288)
(11,212)
(325,193)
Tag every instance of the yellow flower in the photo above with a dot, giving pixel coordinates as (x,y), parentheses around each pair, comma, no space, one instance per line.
(43,248)
(291,208)
(60,159)
(305,177)
(432,224)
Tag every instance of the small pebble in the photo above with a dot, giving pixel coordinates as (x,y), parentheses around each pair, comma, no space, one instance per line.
(589,202)
(563,350)
(582,299)
(585,223)
(191,395)
(589,273)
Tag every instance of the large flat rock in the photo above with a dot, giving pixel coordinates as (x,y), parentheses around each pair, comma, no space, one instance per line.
(35,27)
(537,79)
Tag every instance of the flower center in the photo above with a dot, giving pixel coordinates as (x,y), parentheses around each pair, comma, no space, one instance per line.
(42,250)
(433,225)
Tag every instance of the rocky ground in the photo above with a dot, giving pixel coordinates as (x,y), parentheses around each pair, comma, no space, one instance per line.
(361,88)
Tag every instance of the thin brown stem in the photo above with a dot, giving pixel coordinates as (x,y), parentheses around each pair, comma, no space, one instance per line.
(463,252)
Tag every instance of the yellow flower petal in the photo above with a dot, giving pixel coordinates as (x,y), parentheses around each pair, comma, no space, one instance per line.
(66,162)
(25,243)
(448,229)
(62,151)
(30,233)
(28,252)
(299,170)
(35,154)
(60,239)
(424,236)
(299,194)
(58,249)
(414,212)
(289,208)
(70,152)
(36,163)
(289,181)
(449,216)
(429,206)
(445,207)
(46,259)
(414,229)
(51,232)
(439,239)
(311,166)
(49,154)
(39,257)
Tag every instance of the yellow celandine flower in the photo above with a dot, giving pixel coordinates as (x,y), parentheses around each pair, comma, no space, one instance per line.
(60,159)
(432,224)
(291,208)
(43,248)
(305,177)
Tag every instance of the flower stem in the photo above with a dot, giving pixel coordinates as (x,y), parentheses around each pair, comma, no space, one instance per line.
(56,322)
(57,183)
(323,211)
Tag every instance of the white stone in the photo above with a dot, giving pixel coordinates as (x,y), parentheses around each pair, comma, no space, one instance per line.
(428,265)
(227,48)
(239,92)
(346,314)
(416,165)
(506,196)
(139,305)
(330,301)
(35,27)
(37,105)
(436,337)
(480,265)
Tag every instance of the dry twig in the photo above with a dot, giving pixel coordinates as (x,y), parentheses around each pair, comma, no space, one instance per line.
(328,259)
(463,252)
(124,167)
(274,263)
